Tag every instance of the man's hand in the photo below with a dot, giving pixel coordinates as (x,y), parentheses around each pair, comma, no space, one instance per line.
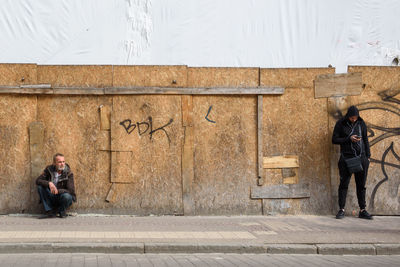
(53,188)
(355,138)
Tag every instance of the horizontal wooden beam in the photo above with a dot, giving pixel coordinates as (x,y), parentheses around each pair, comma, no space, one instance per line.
(197,91)
(280,162)
(47,89)
(280,191)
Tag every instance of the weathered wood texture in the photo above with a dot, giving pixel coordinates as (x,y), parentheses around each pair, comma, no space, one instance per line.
(223,77)
(84,76)
(16,113)
(296,124)
(36,148)
(260,152)
(292,77)
(40,90)
(188,156)
(72,127)
(158,76)
(379,106)
(150,127)
(17,74)
(225,158)
(281,191)
(213,172)
(328,85)
(279,162)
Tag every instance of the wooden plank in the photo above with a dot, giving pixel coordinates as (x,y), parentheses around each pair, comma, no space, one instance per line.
(280,191)
(36,86)
(260,180)
(187,111)
(278,162)
(194,91)
(335,104)
(121,167)
(19,90)
(78,91)
(330,85)
(36,145)
(188,156)
(105,117)
(291,180)
(111,193)
(141,91)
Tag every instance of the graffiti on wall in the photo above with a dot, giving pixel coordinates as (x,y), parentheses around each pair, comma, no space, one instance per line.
(377,133)
(208,113)
(145,127)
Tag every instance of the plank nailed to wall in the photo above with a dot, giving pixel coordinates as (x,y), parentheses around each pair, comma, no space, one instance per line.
(281,191)
(329,85)
(279,162)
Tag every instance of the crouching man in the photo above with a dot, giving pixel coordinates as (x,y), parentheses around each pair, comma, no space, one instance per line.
(56,188)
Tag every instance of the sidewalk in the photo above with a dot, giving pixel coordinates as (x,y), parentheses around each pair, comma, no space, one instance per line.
(202,234)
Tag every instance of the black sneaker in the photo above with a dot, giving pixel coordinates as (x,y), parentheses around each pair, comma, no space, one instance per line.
(63,214)
(340,214)
(365,215)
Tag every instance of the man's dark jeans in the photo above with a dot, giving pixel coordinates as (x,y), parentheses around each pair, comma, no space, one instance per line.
(360,178)
(59,202)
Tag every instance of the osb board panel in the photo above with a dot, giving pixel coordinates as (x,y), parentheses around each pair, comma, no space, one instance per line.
(292,77)
(72,127)
(223,77)
(17,74)
(168,76)
(225,154)
(297,124)
(150,127)
(75,75)
(380,109)
(15,180)
(377,79)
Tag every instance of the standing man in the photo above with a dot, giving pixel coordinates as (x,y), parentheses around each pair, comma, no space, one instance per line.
(56,188)
(351,134)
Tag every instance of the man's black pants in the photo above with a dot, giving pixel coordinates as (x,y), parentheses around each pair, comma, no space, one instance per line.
(360,178)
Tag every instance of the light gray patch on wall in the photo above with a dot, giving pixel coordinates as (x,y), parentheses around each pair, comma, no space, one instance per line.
(139,28)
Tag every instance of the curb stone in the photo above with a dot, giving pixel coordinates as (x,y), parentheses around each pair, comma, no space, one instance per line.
(346,249)
(189,248)
(291,249)
(387,249)
(203,248)
(137,248)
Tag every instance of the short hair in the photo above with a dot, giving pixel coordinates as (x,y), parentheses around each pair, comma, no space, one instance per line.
(57,155)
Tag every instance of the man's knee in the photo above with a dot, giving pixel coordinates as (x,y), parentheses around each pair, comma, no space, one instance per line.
(66,199)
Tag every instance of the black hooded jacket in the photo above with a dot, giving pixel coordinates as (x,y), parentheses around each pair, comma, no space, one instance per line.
(344,129)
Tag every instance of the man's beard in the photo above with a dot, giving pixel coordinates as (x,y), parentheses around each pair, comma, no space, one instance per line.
(60,168)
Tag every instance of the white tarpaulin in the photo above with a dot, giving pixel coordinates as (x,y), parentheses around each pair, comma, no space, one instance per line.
(228,33)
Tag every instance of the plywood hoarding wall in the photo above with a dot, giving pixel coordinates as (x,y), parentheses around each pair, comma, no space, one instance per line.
(173,154)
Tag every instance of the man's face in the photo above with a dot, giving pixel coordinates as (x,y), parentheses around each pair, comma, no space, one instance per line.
(60,163)
(353,119)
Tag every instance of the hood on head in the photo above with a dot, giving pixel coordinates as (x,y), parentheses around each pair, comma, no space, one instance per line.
(352,111)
